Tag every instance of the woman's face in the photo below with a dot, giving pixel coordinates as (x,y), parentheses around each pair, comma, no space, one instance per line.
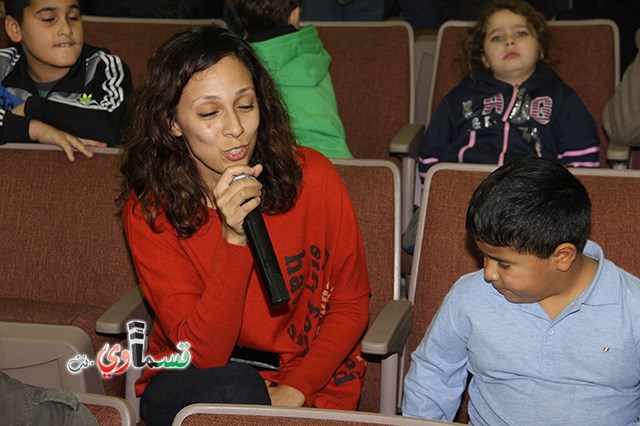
(218,117)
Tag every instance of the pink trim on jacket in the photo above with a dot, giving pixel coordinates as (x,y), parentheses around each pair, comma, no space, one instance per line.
(505,132)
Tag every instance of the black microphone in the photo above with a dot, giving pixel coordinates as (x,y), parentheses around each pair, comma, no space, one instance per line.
(136,342)
(263,254)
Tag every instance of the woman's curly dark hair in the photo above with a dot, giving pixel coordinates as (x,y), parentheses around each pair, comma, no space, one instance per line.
(158,166)
(472,45)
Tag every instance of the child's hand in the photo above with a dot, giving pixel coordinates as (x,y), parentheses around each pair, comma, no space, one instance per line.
(44,133)
(18,110)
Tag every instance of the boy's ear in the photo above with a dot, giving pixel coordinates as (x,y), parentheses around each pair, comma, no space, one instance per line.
(12,27)
(294,17)
(564,255)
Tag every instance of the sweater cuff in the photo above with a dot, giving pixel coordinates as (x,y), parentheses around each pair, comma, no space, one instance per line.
(233,258)
(15,128)
(34,106)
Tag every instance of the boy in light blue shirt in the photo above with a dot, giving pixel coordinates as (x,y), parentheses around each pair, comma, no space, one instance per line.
(549,329)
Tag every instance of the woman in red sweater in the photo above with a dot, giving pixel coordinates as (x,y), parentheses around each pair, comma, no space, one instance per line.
(206,113)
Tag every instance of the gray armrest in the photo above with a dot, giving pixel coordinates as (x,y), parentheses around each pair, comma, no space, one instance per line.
(129,307)
(39,354)
(407,140)
(389,331)
(618,156)
(406,145)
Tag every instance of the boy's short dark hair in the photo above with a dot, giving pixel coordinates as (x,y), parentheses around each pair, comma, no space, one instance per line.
(256,16)
(15,8)
(531,205)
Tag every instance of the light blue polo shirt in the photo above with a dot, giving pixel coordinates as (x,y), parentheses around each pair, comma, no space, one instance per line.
(581,368)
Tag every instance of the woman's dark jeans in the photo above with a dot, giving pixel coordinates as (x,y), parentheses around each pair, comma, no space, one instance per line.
(172,390)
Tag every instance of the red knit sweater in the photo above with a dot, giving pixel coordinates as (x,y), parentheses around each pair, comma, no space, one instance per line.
(206,291)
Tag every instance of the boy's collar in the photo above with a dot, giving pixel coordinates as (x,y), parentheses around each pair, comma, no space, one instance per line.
(73,81)
(271,33)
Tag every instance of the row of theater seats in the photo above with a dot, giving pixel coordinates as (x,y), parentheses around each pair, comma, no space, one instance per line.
(65,261)
(374,76)
(372,72)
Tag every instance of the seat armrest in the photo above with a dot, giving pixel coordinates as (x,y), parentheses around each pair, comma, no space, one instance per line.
(618,156)
(129,307)
(407,140)
(390,330)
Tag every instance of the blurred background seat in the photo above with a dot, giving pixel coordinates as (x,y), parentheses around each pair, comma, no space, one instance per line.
(378,213)
(66,274)
(372,69)
(135,39)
